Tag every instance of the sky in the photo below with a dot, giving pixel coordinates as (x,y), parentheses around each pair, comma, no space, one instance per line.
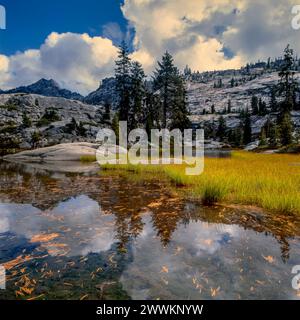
(75,42)
(29,22)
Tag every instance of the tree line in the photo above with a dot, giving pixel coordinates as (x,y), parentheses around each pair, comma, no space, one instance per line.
(159,103)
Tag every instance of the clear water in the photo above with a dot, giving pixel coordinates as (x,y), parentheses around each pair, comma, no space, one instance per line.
(92,236)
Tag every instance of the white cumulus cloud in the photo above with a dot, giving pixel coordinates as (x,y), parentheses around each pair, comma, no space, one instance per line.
(206,35)
(162,25)
(76,61)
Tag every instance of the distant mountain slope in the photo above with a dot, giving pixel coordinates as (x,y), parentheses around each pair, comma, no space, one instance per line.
(48,88)
(202,95)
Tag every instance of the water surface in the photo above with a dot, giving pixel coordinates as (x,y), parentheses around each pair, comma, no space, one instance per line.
(100,236)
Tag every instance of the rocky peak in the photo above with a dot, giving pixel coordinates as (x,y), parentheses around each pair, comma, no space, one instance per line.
(49,88)
(105,93)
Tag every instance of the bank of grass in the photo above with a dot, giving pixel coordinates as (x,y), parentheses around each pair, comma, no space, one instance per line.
(271,181)
(88,158)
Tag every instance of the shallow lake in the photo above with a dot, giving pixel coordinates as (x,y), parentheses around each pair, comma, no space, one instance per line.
(67,235)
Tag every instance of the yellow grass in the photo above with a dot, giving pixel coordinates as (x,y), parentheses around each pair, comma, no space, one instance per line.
(88,158)
(271,181)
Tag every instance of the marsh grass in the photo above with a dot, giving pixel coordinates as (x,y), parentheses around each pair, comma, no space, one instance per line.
(271,181)
(212,193)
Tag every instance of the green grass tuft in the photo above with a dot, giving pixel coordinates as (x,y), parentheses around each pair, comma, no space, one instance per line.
(212,194)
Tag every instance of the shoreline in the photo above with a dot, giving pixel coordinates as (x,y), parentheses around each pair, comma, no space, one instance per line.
(266,180)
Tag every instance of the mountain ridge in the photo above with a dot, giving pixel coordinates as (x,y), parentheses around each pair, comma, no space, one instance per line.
(47,88)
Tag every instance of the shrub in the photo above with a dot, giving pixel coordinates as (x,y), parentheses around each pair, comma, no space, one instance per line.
(47,118)
(8,145)
(81,129)
(26,121)
(11,129)
(9,106)
(35,138)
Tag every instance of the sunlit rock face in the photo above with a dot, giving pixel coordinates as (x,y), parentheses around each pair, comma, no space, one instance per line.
(56,120)
(204,93)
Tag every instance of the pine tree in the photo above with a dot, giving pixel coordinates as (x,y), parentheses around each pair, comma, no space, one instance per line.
(123,81)
(273,102)
(229,106)
(297,136)
(187,71)
(171,89)
(297,101)
(254,105)
(242,113)
(247,137)
(274,136)
(179,113)
(106,114)
(136,115)
(263,137)
(81,130)
(248,68)
(221,131)
(164,83)
(288,85)
(72,125)
(35,139)
(115,126)
(267,127)
(262,107)
(26,121)
(286,130)
(287,88)
(238,137)
(152,110)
